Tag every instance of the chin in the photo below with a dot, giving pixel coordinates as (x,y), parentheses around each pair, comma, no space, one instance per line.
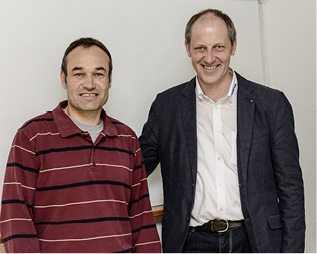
(209,81)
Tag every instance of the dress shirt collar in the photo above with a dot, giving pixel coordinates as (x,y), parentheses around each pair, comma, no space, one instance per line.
(233,88)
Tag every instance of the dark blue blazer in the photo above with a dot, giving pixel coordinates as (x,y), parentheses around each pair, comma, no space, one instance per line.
(270,178)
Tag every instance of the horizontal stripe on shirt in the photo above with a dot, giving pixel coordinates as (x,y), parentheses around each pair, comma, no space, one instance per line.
(82,221)
(18,236)
(78,148)
(15,164)
(37,120)
(15,201)
(73,185)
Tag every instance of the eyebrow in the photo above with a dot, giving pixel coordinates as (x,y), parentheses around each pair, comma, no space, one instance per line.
(100,69)
(97,69)
(77,68)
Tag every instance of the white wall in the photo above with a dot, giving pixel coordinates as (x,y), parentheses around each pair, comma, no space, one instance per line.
(289,36)
(145,38)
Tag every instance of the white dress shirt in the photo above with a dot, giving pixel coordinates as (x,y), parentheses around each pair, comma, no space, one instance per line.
(217,187)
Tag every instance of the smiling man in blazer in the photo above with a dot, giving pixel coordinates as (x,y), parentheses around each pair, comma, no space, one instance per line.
(228,153)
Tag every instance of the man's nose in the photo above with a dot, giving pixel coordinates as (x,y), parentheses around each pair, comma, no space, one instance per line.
(89,82)
(210,56)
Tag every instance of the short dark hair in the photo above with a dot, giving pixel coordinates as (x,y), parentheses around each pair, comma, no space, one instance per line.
(85,43)
(231,29)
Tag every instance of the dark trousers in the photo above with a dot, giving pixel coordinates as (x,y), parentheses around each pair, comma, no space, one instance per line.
(233,240)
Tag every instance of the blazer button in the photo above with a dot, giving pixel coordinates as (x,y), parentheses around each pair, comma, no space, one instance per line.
(187,218)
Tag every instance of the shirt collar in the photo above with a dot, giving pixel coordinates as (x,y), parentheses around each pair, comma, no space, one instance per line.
(67,127)
(233,87)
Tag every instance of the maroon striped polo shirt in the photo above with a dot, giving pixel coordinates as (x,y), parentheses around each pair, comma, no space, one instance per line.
(64,193)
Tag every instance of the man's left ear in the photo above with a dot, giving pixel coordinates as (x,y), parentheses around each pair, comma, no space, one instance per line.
(110,80)
(234,47)
(63,79)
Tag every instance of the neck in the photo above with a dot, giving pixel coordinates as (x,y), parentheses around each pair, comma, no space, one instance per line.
(218,90)
(86,117)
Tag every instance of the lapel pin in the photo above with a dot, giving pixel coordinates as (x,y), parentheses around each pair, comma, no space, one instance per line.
(251,100)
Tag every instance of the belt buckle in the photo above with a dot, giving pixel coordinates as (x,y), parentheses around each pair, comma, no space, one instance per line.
(213,223)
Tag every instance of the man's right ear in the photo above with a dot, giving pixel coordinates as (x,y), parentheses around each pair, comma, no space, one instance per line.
(188,49)
(63,79)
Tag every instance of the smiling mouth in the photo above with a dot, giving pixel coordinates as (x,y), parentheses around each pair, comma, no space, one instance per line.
(210,67)
(88,94)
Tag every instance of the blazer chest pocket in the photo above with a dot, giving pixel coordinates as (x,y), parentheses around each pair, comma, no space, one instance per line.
(274,222)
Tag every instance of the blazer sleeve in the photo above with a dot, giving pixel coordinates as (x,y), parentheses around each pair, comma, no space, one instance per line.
(288,177)
(149,140)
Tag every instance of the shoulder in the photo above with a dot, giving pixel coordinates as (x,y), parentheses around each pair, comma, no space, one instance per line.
(254,86)
(41,122)
(121,127)
(267,98)
(122,135)
(178,89)
(172,95)
(32,128)
(259,90)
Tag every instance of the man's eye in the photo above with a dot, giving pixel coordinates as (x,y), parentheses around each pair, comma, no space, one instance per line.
(78,74)
(220,48)
(99,74)
(200,49)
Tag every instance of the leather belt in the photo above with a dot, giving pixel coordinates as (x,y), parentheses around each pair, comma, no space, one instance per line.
(219,226)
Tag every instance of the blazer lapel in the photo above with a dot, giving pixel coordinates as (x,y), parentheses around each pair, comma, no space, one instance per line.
(245,116)
(188,108)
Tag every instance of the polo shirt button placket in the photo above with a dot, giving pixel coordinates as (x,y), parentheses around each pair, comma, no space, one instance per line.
(92,162)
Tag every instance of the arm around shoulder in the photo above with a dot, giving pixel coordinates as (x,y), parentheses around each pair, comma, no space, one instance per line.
(149,140)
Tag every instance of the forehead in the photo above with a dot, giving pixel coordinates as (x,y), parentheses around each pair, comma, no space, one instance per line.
(210,25)
(92,57)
